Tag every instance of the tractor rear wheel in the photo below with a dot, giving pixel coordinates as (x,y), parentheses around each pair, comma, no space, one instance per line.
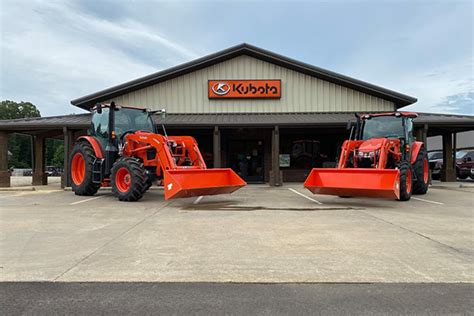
(129,179)
(80,165)
(421,170)
(406,180)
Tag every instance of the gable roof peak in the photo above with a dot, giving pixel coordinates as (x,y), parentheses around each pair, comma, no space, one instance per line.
(88,101)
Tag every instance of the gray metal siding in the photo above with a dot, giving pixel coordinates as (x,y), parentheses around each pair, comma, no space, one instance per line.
(300,92)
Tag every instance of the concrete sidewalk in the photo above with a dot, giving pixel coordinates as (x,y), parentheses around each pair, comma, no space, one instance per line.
(258,234)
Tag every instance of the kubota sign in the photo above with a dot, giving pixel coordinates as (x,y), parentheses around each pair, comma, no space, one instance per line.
(235,89)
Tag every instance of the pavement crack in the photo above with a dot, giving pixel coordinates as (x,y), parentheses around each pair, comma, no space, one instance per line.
(459,251)
(111,241)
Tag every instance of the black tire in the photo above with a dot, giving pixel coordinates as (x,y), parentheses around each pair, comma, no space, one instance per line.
(84,186)
(148,185)
(420,186)
(137,179)
(405,169)
(462,176)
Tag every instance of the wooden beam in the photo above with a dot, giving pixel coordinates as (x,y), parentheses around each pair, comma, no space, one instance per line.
(216,142)
(4,172)
(39,175)
(448,171)
(275,179)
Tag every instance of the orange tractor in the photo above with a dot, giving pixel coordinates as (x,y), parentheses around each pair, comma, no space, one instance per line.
(383,160)
(124,151)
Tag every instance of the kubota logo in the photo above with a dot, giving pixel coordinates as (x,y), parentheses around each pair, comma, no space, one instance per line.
(234,89)
(221,88)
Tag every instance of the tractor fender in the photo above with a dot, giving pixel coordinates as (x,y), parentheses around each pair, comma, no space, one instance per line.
(415,150)
(95,145)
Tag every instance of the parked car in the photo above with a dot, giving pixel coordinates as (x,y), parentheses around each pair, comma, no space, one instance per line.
(465,165)
(435,159)
(53,171)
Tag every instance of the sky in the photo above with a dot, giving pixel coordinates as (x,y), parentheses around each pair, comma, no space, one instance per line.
(56,51)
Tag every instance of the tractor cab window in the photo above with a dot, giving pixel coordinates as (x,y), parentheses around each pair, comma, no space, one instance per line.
(131,120)
(100,124)
(383,127)
(409,127)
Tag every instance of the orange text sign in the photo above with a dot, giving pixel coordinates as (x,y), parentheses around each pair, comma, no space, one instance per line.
(241,89)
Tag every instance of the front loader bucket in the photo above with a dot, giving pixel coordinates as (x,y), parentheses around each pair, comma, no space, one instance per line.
(184,183)
(381,183)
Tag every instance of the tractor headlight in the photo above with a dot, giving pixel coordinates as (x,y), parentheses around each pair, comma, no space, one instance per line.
(369,154)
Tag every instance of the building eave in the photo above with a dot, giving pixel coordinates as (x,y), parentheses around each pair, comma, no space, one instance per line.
(400,100)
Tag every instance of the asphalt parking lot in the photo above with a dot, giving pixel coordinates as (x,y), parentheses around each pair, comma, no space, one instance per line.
(257,234)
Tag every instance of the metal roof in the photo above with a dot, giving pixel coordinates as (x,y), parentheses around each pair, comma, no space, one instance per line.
(82,121)
(90,100)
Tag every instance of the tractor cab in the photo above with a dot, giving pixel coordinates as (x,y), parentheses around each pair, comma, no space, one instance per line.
(387,125)
(124,120)
(377,129)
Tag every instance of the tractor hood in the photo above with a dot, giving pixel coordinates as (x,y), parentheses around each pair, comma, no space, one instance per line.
(371,145)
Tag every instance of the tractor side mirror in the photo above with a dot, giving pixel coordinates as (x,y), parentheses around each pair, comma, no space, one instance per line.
(163,114)
(98,108)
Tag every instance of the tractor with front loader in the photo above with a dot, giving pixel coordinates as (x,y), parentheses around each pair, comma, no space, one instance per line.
(383,160)
(123,150)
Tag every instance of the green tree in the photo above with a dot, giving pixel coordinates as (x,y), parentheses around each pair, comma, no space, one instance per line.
(10,110)
(58,159)
(18,144)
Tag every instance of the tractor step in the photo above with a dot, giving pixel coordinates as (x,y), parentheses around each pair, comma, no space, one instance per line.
(97,170)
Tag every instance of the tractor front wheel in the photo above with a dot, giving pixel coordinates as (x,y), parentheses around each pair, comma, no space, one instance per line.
(129,179)
(421,170)
(80,169)
(406,181)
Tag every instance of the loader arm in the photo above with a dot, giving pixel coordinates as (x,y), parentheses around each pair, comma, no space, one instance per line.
(178,160)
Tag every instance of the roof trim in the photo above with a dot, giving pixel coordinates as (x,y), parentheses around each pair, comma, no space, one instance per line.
(224,120)
(90,100)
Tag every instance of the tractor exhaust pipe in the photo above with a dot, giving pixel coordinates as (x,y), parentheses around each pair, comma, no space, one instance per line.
(111,150)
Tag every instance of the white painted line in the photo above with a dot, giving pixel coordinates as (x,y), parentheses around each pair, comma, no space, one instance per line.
(87,200)
(198,200)
(427,201)
(306,197)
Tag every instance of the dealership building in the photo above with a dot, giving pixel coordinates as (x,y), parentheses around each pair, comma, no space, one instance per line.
(269,117)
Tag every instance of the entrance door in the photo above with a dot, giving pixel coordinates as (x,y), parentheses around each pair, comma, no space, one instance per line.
(246,158)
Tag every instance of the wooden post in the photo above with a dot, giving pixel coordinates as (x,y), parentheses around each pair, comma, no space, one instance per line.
(216,147)
(448,171)
(68,143)
(4,172)
(39,175)
(275,179)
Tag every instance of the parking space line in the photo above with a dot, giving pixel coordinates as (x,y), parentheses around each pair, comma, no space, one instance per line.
(427,201)
(87,200)
(305,196)
(198,199)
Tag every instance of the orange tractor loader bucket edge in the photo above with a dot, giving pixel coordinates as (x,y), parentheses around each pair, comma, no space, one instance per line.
(381,183)
(182,183)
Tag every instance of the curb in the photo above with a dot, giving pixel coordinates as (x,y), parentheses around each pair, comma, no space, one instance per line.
(15,189)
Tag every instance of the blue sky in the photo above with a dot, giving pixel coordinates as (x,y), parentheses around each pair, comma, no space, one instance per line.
(55,51)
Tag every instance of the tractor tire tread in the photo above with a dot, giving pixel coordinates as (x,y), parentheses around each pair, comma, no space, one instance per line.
(404,168)
(87,187)
(419,186)
(139,179)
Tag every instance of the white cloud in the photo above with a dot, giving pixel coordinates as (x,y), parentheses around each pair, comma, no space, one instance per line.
(52,54)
